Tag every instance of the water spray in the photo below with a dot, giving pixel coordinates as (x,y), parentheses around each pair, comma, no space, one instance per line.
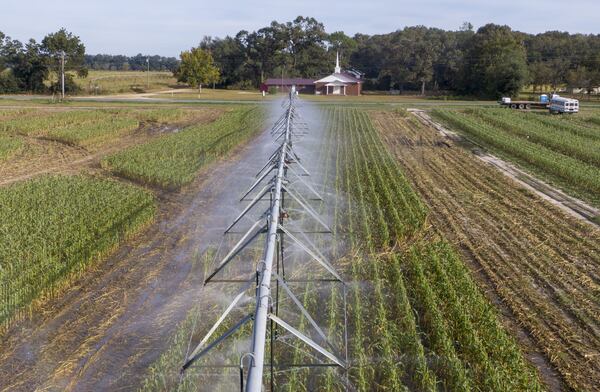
(276,180)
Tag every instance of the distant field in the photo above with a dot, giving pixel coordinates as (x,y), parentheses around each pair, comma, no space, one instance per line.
(214,94)
(563,150)
(84,128)
(209,94)
(120,82)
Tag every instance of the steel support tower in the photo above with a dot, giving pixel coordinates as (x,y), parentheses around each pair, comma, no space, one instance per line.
(275,177)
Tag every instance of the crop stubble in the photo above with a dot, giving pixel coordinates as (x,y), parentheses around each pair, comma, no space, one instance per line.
(540,262)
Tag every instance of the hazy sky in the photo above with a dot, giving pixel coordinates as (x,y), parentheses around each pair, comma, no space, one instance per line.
(167,27)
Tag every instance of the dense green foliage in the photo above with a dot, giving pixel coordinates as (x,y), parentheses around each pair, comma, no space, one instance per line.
(107,62)
(172,161)
(495,64)
(197,68)
(490,62)
(559,150)
(56,44)
(53,226)
(26,67)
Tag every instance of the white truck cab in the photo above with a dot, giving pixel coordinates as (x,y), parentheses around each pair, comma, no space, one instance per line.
(563,105)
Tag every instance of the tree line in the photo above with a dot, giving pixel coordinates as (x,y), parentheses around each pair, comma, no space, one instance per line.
(108,62)
(34,67)
(491,61)
(26,67)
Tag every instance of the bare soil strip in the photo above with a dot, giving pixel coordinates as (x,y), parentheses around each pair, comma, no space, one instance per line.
(540,265)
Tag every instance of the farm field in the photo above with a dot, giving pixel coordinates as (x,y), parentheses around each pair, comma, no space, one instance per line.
(562,151)
(172,161)
(72,220)
(68,140)
(458,279)
(121,82)
(54,226)
(417,319)
(540,263)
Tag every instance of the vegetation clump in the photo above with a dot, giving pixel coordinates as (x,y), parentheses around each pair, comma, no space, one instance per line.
(172,161)
(54,226)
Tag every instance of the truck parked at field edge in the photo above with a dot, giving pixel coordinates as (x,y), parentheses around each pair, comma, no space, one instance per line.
(556,104)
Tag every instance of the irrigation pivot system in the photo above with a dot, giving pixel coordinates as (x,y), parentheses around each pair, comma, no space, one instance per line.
(276,181)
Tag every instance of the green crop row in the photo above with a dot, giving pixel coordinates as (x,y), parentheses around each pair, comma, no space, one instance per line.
(581,177)
(53,226)
(172,161)
(536,129)
(426,326)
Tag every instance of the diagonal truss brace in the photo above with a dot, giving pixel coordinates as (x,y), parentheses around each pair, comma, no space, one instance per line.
(312,254)
(231,306)
(189,361)
(303,310)
(246,239)
(307,340)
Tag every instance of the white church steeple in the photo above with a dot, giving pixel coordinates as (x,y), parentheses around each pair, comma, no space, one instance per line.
(338,69)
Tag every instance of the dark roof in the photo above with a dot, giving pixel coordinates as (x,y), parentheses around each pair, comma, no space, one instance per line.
(289,82)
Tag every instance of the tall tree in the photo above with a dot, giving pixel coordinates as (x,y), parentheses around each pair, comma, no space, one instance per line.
(496,62)
(30,67)
(197,68)
(56,44)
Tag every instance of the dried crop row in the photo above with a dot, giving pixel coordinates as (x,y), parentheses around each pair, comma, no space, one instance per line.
(543,265)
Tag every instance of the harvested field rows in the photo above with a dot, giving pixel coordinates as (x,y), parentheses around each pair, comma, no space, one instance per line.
(541,263)
(565,153)
(66,141)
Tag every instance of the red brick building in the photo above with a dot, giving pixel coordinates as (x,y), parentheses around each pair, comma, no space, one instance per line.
(303,86)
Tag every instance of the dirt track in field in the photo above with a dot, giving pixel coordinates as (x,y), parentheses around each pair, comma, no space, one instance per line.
(43,156)
(111,324)
(540,265)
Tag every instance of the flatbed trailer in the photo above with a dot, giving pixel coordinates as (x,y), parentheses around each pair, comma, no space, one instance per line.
(525,105)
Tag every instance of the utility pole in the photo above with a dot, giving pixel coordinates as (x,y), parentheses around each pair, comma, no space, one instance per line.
(148,76)
(62,73)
